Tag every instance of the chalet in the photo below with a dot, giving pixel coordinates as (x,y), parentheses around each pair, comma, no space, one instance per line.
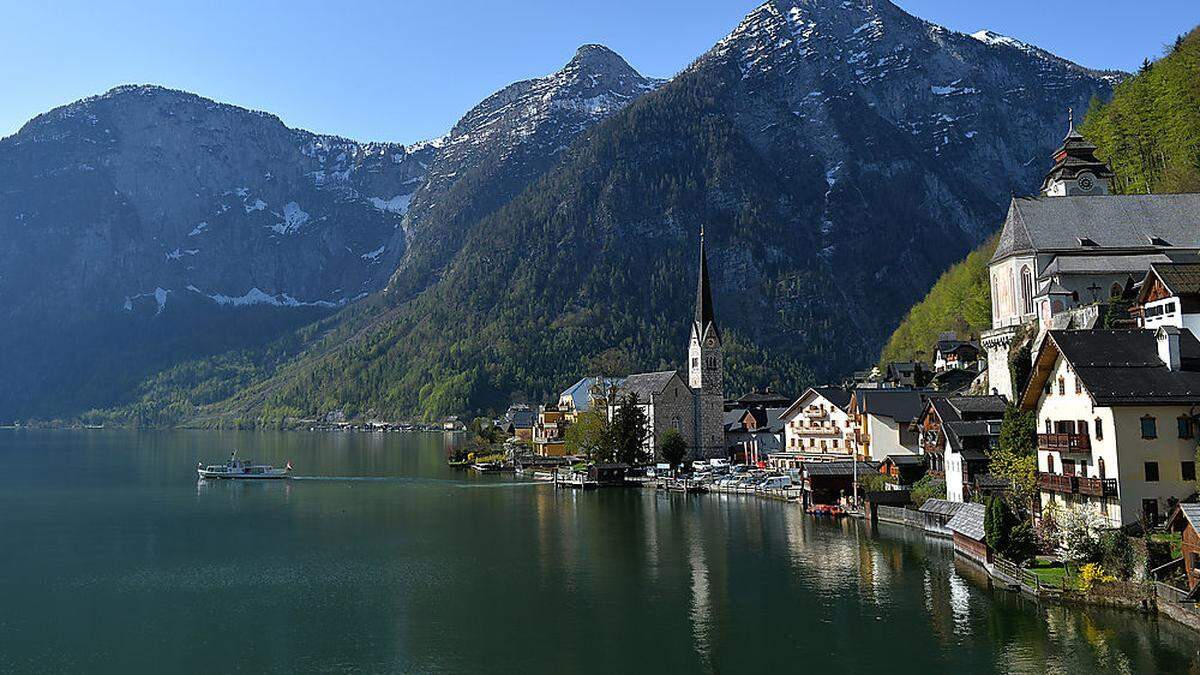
(1063,253)
(815,428)
(549,431)
(956,432)
(519,421)
(952,353)
(881,421)
(1117,415)
(1186,520)
(1170,296)
(966,528)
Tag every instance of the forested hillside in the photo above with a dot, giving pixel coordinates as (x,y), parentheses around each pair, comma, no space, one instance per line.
(1150,132)
(960,301)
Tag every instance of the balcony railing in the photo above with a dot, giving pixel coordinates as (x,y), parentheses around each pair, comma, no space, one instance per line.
(819,431)
(1097,487)
(1065,442)
(1055,483)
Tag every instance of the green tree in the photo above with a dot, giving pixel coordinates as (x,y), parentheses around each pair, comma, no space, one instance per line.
(1016,458)
(996,523)
(1018,431)
(587,436)
(928,488)
(628,431)
(672,448)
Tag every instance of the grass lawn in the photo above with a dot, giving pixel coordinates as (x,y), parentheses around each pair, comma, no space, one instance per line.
(1052,573)
(1174,538)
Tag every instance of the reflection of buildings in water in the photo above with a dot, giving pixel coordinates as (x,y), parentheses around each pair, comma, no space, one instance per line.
(824,555)
(701,605)
(960,604)
(648,505)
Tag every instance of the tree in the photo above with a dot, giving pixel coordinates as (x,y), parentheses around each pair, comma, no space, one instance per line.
(629,431)
(1016,458)
(586,436)
(928,488)
(996,521)
(672,449)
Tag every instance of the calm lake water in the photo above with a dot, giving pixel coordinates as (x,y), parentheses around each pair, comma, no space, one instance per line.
(113,558)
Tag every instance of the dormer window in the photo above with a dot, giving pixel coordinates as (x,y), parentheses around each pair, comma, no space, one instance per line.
(1158,241)
(1088,241)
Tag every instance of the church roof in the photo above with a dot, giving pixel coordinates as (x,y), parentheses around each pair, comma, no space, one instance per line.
(1102,264)
(646,385)
(705,314)
(1076,155)
(1141,222)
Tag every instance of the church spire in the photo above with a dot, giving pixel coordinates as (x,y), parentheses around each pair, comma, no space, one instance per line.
(1077,170)
(705,316)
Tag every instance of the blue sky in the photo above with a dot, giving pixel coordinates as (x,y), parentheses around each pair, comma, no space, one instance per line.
(406,70)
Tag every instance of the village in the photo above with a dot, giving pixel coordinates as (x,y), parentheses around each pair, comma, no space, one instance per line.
(1057,450)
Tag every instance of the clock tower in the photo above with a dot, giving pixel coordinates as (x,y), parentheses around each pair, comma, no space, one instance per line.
(706,370)
(1077,171)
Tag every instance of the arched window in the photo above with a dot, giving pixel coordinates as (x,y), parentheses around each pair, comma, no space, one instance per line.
(1100,467)
(1049,463)
(1115,291)
(1026,291)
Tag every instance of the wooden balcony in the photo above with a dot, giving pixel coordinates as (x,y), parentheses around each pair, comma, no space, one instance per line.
(1097,487)
(1065,442)
(819,431)
(1054,483)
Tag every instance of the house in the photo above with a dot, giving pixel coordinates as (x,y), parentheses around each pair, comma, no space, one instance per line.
(881,421)
(815,428)
(760,431)
(1062,254)
(1117,416)
(937,513)
(951,353)
(1185,520)
(550,431)
(607,474)
(904,469)
(966,528)
(519,420)
(759,399)
(907,374)
(1170,296)
(956,433)
(586,393)
(832,482)
(695,407)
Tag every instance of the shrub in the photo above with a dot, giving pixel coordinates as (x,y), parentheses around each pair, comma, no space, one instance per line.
(1091,574)
(928,488)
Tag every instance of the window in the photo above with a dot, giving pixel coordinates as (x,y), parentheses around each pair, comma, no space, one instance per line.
(1185,426)
(1026,291)
(1049,429)
(1068,467)
(1078,385)
(1115,291)
(1100,467)
(1049,387)
(1049,463)
(1188,469)
(1099,429)
(1081,427)
(695,361)
(1062,386)
(1151,472)
(835,443)
(1149,427)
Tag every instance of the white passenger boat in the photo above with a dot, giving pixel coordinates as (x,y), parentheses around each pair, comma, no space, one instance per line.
(242,469)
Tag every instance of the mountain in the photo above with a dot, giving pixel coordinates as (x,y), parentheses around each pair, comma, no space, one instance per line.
(146,227)
(499,147)
(1155,114)
(839,155)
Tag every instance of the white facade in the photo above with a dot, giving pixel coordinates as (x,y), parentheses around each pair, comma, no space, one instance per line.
(1169,312)
(887,437)
(706,368)
(953,464)
(815,429)
(1117,451)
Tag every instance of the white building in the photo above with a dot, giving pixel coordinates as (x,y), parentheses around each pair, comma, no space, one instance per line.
(1117,418)
(956,434)
(1170,296)
(882,422)
(1075,246)
(816,427)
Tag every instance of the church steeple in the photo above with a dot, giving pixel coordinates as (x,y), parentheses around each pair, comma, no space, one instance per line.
(705,315)
(1077,170)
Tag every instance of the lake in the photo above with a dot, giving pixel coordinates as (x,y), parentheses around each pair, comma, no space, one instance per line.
(380,558)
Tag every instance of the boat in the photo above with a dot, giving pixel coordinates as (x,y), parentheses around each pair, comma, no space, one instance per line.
(242,469)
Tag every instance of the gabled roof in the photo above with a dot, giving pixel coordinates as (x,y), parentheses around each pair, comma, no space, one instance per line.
(834,395)
(580,393)
(1111,221)
(905,459)
(1189,512)
(838,468)
(1103,264)
(1180,279)
(646,385)
(990,405)
(1119,367)
(969,521)
(902,405)
(941,507)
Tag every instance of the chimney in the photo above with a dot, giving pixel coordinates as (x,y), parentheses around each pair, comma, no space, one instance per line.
(1168,346)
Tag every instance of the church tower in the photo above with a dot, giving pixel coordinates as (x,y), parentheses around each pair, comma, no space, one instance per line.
(1077,170)
(706,370)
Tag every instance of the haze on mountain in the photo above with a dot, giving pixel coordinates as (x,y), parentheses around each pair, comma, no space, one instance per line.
(839,155)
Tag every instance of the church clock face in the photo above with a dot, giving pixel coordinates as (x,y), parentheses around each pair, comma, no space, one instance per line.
(712,342)
(1085,183)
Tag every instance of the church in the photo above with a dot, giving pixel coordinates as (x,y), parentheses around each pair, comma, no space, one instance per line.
(1063,254)
(695,407)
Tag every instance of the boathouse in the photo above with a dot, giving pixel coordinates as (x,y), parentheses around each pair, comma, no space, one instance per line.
(966,528)
(1186,519)
(937,513)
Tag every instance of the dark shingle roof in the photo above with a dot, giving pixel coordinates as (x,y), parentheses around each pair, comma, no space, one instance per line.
(902,405)
(906,459)
(835,395)
(1112,221)
(1180,278)
(645,385)
(1122,367)
(941,507)
(1102,264)
(979,405)
(838,468)
(968,521)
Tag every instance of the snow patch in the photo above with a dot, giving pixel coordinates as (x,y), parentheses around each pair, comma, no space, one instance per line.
(397,204)
(373,256)
(254,296)
(258,205)
(198,229)
(294,218)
